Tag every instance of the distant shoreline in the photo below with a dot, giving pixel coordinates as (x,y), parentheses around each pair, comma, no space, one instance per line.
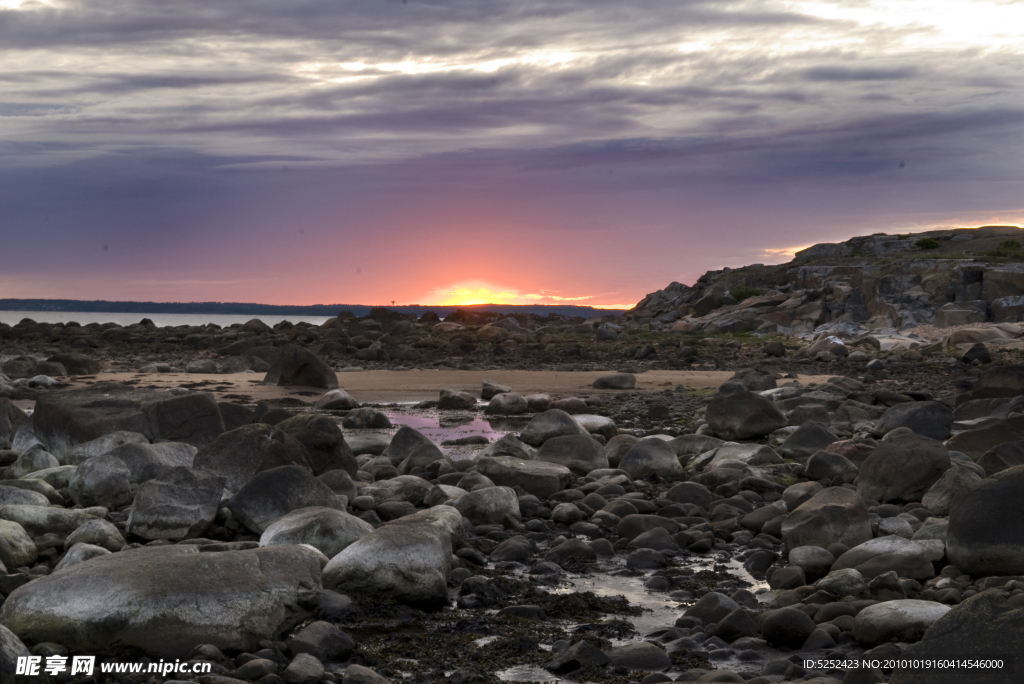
(250,309)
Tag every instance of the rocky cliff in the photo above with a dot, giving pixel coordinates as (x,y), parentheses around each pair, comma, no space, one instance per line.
(941,278)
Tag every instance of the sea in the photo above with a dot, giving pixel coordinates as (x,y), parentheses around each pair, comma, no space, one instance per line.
(160,320)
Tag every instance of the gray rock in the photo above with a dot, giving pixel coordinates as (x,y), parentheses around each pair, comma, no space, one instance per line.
(551,423)
(985,537)
(11,649)
(907,558)
(691,493)
(357,674)
(845,582)
(813,560)
(1001,457)
(825,465)
(38,520)
(834,515)
(298,366)
(153,461)
(617,381)
(17,495)
(953,484)
(324,641)
(16,547)
(365,419)
(101,481)
(902,469)
(536,477)
(57,478)
(454,399)
(736,414)
(167,600)
(238,455)
(103,445)
(98,533)
(808,439)
(492,389)
(327,529)
(340,483)
(617,447)
(180,505)
(639,655)
(787,627)
(904,620)
(507,404)
(11,418)
(489,506)
(336,400)
(931,419)
(31,461)
(273,493)
(509,445)
(580,454)
(304,669)
(597,425)
(578,655)
(325,446)
(411,488)
(79,553)
(651,457)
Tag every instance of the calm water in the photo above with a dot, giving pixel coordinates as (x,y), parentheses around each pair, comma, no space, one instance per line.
(161,320)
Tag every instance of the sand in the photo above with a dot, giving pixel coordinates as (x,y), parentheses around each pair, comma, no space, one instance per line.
(384,386)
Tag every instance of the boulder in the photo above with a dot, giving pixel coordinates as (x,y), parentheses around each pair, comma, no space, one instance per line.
(833,515)
(492,389)
(747,454)
(411,488)
(20,496)
(878,556)
(815,561)
(77,364)
(651,457)
(298,366)
(736,414)
(336,400)
(325,446)
(808,439)
(340,483)
(617,447)
(931,419)
(324,641)
(365,419)
(101,481)
(271,494)
(152,461)
(96,532)
(536,477)
(976,442)
(409,563)
(11,418)
(180,505)
(983,626)
(904,620)
(712,607)
(825,465)
(64,419)
(551,423)
(787,627)
(454,399)
(1001,457)
(597,425)
(489,506)
(102,445)
(691,493)
(953,484)
(79,553)
(39,520)
(32,461)
(327,529)
(580,454)
(16,547)
(902,469)
(639,655)
(616,381)
(509,445)
(238,455)
(165,601)
(409,442)
(984,535)
(507,404)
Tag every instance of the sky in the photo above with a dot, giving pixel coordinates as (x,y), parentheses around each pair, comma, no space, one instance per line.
(457,151)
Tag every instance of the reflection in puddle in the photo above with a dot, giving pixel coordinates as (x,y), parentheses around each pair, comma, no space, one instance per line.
(528,673)
(448,426)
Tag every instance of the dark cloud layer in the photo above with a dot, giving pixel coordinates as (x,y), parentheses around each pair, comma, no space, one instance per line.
(200,138)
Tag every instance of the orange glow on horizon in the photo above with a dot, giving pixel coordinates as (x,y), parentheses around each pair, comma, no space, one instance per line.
(473,292)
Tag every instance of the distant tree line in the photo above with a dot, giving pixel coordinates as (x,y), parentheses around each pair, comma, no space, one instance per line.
(243,309)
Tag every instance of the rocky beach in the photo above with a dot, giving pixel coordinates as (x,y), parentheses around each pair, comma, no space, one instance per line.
(763,477)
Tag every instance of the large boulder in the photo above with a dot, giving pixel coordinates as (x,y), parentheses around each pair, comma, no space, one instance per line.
(736,414)
(878,556)
(101,481)
(298,366)
(77,364)
(327,529)
(180,505)
(931,419)
(617,381)
(20,496)
(11,651)
(410,443)
(976,442)
(902,469)
(808,439)
(985,536)
(39,520)
(32,461)
(489,506)
(507,404)
(651,457)
(336,400)
(509,445)
(152,461)
(166,600)
(102,445)
(411,488)
(271,494)
(16,547)
(833,515)
(536,477)
(409,563)
(551,423)
(580,454)
(1002,457)
(325,445)
(66,418)
(455,399)
(11,418)
(953,484)
(904,620)
(240,454)
(983,627)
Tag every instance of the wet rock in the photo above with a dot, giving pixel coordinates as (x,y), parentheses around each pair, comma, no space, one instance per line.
(517,548)
(651,457)
(101,481)
(509,445)
(271,494)
(691,493)
(165,601)
(639,655)
(492,389)
(902,469)
(833,515)
(103,445)
(787,627)
(329,530)
(152,461)
(536,477)
(736,625)
(985,537)
(238,455)
(578,655)
(39,520)
(79,553)
(340,483)
(931,419)
(953,484)
(580,454)
(736,414)
(454,399)
(813,560)
(304,669)
(712,607)
(845,582)
(296,366)
(32,461)
(98,532)
(551,423)
(1001,457)
(808,439)
(181,505)
(574,548)
(617,381)
(17,495)
(357,674)
(336,400)
(507,404)
(907,558)
(16,547)
(906,620)
(489,506)
(324,641)
(632,526)
(365,419)
(325,445)
(825,465)
(11,418)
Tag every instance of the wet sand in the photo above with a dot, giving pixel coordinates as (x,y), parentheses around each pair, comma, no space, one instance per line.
(384,386)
